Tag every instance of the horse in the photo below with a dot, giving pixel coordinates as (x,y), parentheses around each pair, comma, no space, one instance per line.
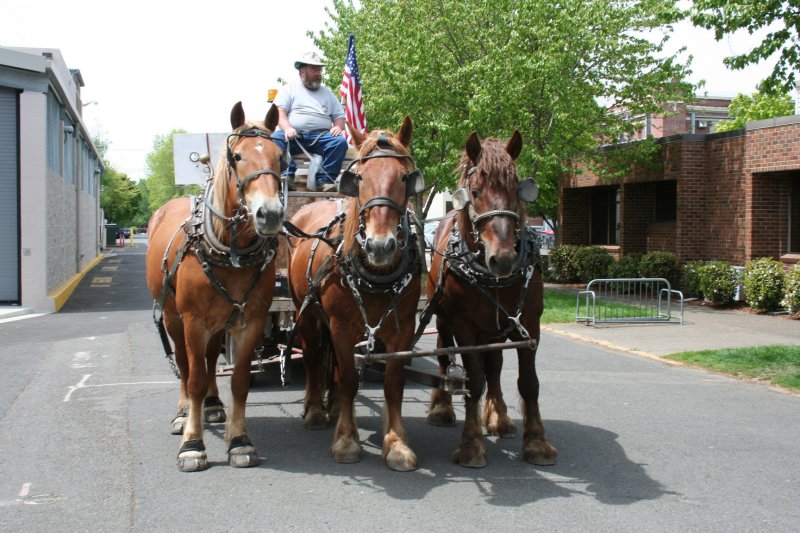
(485,286)
(210,270)
(359,279)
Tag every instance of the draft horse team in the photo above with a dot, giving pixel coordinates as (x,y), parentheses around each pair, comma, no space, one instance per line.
(355,278)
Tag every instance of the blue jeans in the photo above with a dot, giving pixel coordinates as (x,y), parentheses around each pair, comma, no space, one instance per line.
(331,148)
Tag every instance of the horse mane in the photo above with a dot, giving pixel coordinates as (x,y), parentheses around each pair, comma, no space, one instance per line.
(219,196)
(495,169)
(351,210)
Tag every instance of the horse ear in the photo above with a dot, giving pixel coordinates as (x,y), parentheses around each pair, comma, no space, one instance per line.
(473,147)
(272,118)
(404,135)
(237,115)
(357,136)
(514,146)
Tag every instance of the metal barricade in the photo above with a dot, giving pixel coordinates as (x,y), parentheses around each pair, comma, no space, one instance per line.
(628,300)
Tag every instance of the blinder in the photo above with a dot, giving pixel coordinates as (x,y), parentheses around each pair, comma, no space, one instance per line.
(528,192)
(349,181)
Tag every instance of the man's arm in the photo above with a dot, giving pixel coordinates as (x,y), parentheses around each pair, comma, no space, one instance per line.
(285,125)
(338,127)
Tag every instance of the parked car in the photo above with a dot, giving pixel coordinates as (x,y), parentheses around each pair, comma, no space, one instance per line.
(429,231)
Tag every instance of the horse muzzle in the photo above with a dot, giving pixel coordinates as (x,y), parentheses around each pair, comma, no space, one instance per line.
(381,251)
(268,217)
(501,264)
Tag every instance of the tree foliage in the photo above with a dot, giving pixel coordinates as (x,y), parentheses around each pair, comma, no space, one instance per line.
(759,106)
(550,69)
(119,196)
(782,17)
(160,173)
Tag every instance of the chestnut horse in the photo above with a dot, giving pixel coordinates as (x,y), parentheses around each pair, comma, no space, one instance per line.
(359,279)
(485,285)
(210,268)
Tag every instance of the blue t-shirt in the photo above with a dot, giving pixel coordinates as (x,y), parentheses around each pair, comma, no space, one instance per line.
(309,110)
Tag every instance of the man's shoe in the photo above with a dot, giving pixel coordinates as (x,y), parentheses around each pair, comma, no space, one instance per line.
(290,182)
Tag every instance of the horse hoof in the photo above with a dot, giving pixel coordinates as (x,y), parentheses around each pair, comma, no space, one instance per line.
(242,453)
(346,452)
(444,416)
(192,456)
(401,458)
(179,421)
(471,455)
(542,454)
(214,410)
(315,419)
(177,426)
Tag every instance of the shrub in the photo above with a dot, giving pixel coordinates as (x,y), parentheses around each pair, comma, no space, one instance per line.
(791,298)
(718,282)
(626,267)
(592,262)
(690,280)
(660,265)
(562,264)
(763,283)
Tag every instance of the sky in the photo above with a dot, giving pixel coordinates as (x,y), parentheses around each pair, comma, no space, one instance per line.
(154,66)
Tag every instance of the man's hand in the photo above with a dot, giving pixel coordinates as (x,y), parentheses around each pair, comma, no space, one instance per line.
(336,131)
(290,133)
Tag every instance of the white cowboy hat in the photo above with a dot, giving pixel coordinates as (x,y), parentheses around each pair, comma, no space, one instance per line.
(309,58)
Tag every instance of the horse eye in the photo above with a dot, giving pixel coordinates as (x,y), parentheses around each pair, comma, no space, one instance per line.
(237,157)
(475,193)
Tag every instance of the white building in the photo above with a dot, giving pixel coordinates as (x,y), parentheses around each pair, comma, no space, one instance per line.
(50,219)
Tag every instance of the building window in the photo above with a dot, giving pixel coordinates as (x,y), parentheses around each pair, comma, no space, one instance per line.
(665,201)
(605,216)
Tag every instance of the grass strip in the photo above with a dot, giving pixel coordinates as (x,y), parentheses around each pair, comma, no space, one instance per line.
(779,365)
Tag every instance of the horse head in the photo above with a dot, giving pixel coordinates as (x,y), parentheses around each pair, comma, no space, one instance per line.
(381,179)
(248,184)
(491,200)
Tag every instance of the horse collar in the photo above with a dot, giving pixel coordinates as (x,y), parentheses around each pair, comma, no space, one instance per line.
(465,263)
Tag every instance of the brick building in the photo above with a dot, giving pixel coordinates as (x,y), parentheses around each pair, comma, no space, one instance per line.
(730,196)
(701,116)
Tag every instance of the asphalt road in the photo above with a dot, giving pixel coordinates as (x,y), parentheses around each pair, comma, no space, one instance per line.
(86,398)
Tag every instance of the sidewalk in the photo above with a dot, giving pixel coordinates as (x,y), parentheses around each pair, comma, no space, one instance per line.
(702,329)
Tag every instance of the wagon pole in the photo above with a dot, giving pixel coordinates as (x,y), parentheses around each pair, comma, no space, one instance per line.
(530,343)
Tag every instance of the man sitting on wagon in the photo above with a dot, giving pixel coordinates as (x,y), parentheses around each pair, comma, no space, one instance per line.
(311,116)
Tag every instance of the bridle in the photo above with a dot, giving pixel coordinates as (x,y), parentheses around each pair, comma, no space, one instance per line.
(240,213)
(349,185)
(527,192)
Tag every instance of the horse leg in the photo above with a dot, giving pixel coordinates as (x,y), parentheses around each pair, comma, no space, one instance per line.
(495,413)
(214,411)
(346,446)
(192,454)
(440,412)
(175,330)
(241,451)
(535,448)
(311,340)
(471,451)
(396,451)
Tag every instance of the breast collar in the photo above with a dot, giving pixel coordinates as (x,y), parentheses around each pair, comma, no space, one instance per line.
(465,263)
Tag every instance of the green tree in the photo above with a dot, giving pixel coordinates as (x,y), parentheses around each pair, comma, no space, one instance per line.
(119,196)
(160,173)
(759,106)
(553,70)
(782,17)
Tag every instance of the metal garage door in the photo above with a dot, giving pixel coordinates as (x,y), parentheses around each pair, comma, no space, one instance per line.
(9,198)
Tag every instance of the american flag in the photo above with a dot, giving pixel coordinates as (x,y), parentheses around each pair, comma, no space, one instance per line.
(350,90)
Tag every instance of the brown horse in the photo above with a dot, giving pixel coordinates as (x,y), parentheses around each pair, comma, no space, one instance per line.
(360,278)
(210,269)
(486,286)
